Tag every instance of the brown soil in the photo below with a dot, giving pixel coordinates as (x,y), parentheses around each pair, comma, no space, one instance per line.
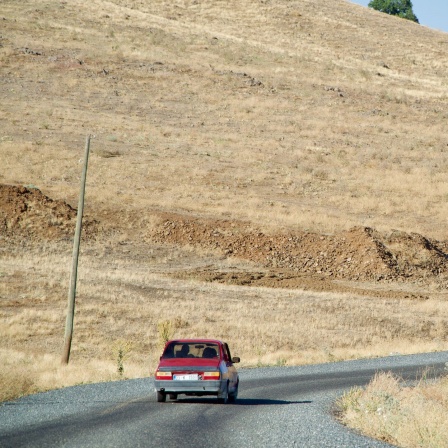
(360,260)
(25,212)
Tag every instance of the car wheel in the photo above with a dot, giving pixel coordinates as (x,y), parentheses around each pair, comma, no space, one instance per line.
(173,396)
(234,395)
(161,397)
(223,397)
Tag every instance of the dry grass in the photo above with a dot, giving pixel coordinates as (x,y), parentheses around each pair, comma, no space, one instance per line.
(25,373)
(411,417)
(125,300)
(287,114)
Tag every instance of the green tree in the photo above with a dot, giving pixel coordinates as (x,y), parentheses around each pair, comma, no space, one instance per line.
(400,8)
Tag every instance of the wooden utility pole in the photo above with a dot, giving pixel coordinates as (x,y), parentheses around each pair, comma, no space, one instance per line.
(74,271)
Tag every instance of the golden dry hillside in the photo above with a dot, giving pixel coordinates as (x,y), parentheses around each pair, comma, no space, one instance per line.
(296,147)
(308,114)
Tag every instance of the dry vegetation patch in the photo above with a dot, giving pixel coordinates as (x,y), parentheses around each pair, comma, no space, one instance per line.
(406,416)
(127,291)
(265,144)
(300,115)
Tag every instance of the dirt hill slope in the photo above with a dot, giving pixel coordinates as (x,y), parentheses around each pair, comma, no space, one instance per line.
(265,143)
(294,135)
(359,254)
(307,115)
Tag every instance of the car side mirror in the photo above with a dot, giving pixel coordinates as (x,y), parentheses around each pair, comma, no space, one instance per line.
(236,359)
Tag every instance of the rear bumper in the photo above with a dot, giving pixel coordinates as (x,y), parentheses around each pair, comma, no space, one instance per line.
(205,387)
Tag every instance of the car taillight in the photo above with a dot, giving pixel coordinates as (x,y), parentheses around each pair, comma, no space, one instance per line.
(163,375)
(211,376)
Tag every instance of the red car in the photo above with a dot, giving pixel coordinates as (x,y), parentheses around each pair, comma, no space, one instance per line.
(197,367)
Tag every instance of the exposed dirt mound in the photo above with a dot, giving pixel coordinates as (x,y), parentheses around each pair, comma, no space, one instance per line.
(27,212)
(358,254)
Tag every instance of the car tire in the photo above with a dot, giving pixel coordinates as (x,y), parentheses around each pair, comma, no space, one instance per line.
(223,397)
(234,395)
(173,396)
(161,397)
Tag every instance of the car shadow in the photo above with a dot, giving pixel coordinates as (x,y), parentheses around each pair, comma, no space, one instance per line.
(266,401)
(241,401)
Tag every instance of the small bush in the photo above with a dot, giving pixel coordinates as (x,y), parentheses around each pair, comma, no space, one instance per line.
(121,350)
(165,330)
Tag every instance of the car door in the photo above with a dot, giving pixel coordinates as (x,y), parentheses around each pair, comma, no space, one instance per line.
(233,375)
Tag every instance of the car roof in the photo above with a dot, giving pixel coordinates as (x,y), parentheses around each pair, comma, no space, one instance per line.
(197,341)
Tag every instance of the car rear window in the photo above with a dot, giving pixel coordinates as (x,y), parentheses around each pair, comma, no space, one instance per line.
(191,350)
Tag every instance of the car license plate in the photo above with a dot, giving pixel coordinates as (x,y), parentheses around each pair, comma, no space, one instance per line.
(188,377)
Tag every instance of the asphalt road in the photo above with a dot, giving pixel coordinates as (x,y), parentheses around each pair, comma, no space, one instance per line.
(287,407)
